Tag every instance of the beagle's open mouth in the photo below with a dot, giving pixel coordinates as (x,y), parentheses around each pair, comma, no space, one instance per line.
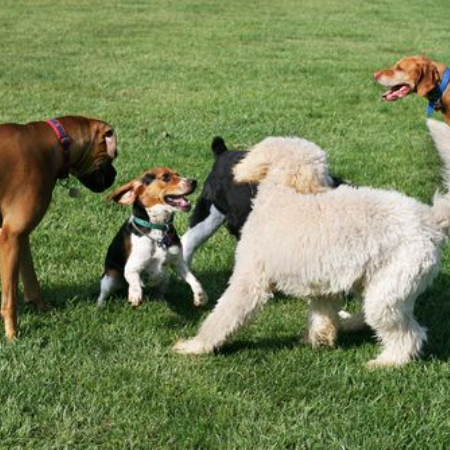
(396,92)
(178,201)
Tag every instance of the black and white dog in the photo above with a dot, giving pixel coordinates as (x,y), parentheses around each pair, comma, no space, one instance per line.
(222,200)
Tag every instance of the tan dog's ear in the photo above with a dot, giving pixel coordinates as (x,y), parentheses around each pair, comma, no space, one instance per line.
(127,194)
(428,79)
(253,167)
(307,181)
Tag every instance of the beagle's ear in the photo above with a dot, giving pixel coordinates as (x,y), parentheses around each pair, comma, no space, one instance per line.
(253,167)
(428,79)
(307,180)
(127,194)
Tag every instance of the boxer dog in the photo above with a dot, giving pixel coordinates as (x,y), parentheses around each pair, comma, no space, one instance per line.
(33,157)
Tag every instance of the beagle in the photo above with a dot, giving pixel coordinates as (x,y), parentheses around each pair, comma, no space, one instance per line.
(147,243)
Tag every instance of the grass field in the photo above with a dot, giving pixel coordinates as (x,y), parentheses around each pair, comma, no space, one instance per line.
(169,75)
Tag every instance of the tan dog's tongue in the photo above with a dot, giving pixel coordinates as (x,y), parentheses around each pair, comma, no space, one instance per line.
(396,93)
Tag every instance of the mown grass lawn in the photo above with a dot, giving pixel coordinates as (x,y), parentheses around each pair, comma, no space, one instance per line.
(169,75)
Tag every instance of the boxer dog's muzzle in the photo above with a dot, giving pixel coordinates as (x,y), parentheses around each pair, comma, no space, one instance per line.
(95,168)
(100,178)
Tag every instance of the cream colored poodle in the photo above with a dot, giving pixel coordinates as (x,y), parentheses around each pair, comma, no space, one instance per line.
(309,241)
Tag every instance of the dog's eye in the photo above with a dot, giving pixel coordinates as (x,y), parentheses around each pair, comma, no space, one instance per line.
(166,177)
(148,178)
(109,133)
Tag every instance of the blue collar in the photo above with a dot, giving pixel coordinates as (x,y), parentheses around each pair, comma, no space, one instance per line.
(438,92)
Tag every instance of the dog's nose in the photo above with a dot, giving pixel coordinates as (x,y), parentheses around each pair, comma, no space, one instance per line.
(376,75)
(193,183)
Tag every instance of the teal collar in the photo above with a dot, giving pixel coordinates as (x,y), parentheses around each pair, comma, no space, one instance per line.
(153,226)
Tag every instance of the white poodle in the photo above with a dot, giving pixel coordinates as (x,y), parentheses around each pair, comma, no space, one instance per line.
(309,241)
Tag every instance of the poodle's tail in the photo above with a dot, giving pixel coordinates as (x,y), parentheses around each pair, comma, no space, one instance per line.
(440,132)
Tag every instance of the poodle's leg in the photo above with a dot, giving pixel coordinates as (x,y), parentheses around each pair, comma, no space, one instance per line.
(243,297)
(200,231)
(399,333)
(323,319)
(389,305)
(355,321)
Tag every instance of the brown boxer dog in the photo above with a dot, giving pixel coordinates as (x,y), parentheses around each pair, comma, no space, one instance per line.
(33,157)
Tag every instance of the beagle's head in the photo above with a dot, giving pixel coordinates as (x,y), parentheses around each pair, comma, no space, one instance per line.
(160,188)
(411,74)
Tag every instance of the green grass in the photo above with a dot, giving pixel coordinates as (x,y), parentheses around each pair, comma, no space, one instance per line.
(169,75)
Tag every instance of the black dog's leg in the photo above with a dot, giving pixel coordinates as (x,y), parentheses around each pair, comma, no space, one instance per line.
(205,220)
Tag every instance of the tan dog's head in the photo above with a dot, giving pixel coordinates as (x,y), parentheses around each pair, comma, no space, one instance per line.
(159,189)
(93,148)
(292,162)
(412,74)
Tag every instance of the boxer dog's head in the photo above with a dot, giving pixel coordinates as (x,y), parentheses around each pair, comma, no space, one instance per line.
(93,150)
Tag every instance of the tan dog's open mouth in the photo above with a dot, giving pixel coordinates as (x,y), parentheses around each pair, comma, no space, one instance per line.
(396,92)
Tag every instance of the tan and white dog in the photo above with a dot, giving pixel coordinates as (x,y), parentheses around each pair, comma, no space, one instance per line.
(420,75)
(147,244)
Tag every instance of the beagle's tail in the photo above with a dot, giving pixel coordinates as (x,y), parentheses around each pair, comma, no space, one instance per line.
(440,132)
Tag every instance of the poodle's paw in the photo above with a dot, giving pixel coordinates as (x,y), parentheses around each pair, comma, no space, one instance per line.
(351,322)
(191,347)
(200,298)
(326,336)
(344,314)
(384,363)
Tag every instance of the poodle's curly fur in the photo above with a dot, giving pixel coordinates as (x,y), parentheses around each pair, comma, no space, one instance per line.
(309,241)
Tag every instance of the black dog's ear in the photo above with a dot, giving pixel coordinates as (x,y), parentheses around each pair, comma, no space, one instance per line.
(218,146)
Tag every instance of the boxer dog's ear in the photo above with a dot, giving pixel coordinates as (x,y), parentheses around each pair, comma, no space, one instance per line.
(111,143)
(128,193)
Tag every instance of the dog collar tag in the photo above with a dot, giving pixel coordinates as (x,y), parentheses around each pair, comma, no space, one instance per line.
(165,242)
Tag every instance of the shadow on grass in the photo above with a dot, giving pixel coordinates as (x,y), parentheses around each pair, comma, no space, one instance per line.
(432,311)
(267,343)
(179,297)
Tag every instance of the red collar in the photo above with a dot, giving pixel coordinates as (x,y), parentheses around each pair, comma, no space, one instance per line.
(64,140)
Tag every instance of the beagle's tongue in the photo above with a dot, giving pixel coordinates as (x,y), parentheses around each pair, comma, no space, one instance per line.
(179,202)
(397,92)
